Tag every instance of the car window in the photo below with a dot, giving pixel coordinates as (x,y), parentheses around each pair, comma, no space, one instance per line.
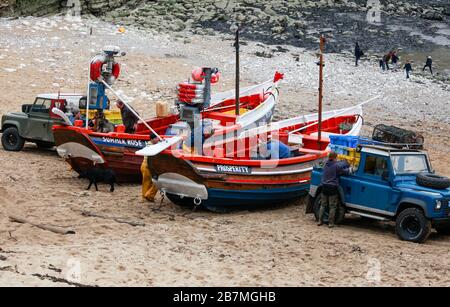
(376,166)
(410,164)
(37,106)
(42,106)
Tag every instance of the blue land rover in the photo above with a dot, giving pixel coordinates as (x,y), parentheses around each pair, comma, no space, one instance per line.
(392,185)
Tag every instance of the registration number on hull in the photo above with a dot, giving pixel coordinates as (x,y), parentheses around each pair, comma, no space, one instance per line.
(230,169)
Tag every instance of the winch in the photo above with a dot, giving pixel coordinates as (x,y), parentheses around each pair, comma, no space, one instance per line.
(195,96)
(103,67)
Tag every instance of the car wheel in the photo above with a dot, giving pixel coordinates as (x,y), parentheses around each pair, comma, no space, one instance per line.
(340,215)
(11,140)
(413,226)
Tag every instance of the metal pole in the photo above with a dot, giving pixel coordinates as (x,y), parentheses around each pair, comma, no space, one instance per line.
(132,110)
(238,103)
(88,96)
(321,64)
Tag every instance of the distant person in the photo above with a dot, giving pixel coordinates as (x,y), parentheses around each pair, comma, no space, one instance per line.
(429,64)
(382,65)
(395,59)
(129,119)
(408,69)
(330,187)
(358,53)
(386,60)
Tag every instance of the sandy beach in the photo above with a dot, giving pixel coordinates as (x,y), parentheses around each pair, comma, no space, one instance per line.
(177,247)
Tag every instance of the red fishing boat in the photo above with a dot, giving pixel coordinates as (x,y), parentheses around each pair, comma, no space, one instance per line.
(82,147)
(234,173)
(266,165)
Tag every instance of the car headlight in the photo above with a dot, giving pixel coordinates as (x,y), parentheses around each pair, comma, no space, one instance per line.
(438,205)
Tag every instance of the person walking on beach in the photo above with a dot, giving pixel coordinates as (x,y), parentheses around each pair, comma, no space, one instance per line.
(408,68)
(386,60)
(382,65)
(330,187)
(429,64)
(358,53)
(395,59)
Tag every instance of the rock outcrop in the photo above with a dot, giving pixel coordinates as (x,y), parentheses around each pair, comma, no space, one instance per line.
(297,22)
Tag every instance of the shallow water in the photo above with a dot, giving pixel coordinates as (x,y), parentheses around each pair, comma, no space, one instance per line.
(440,55)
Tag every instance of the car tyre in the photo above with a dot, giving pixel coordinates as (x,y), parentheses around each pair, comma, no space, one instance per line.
(433,181)
(413,226)
(11,140)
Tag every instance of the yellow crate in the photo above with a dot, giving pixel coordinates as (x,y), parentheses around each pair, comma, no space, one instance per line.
(352,152)
(354,162)
(113,116)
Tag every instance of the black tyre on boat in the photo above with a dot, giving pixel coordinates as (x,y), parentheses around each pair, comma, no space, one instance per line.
(413,226)
(340,215)
(433,181)
(11,140)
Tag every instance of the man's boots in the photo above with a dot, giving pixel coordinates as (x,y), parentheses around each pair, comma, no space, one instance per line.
(332,217)
(321,213)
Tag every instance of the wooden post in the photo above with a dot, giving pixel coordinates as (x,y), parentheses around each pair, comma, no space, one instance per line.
(238,91)
(321,64)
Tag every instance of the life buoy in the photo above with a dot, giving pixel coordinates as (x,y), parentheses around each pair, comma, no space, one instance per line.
(198,76)
(97,64)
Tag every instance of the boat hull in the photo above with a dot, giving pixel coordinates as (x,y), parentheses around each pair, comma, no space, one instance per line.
(83,152)
(227,200)
(194,183)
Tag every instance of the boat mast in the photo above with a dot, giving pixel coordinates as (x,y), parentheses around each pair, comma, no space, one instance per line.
(321,64)
(238,104)
(88,94)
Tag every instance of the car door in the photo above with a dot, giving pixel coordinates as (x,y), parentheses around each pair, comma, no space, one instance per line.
(373,193)
(39,120)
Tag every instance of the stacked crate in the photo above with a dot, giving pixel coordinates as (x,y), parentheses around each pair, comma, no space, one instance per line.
(346,148)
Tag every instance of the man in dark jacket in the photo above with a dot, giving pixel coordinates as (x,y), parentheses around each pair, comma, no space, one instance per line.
(358,53)
(128,118)
(330,187)
(429,64)
(408,68)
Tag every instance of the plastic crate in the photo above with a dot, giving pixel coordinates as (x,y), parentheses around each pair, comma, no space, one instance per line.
(344,140)
(113,116)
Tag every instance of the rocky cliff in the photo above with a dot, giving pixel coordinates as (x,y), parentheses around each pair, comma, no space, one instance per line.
(297,22)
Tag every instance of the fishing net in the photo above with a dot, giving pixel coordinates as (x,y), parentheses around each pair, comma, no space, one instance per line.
(394,135)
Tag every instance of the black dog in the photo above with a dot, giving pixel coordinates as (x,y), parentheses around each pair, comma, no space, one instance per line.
(97,175)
